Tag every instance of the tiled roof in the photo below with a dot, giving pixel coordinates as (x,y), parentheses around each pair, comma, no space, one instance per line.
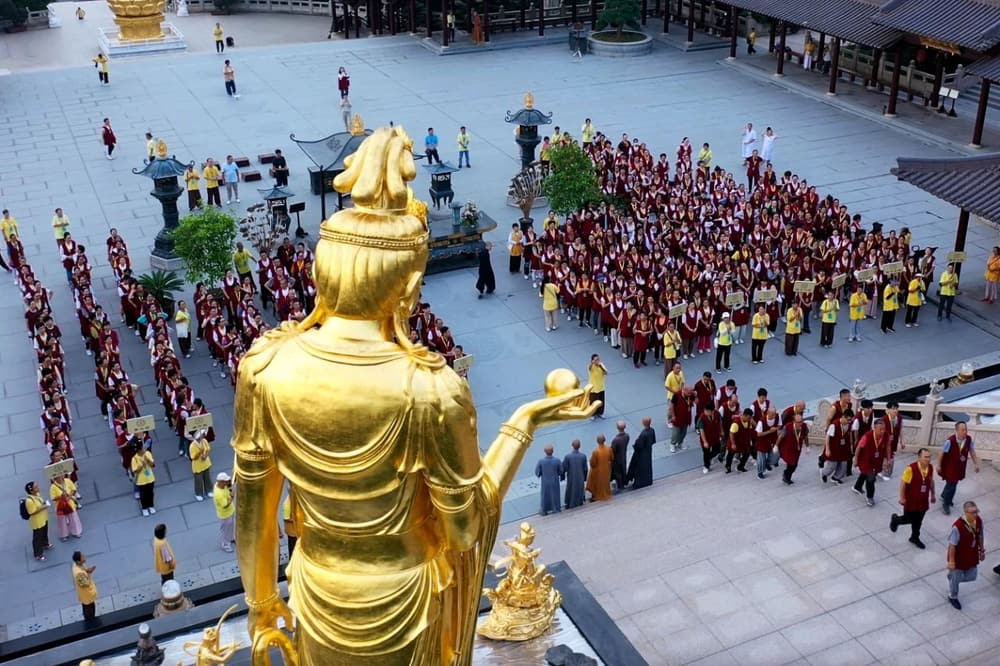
(971,183)
(973,24)
(987,68)
(848,19)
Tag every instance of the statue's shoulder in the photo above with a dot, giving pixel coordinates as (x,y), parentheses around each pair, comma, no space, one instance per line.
(267,346)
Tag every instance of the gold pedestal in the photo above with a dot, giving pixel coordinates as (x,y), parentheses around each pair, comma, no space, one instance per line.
(138,19)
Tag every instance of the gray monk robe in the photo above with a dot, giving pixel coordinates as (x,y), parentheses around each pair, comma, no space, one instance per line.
(574,469)
(549,470)
(619,467)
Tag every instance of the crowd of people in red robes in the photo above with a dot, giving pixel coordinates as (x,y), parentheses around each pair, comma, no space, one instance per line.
(690,234)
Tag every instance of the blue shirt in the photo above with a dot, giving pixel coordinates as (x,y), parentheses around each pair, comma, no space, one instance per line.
(230,173)
(431,141)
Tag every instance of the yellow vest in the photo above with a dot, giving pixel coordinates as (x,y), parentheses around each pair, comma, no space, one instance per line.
(858,303)
(86,589)
(671,341)
(595,375)
(913,292)
(550,297)
(34,503)
(195,449)
(143,476)
(890,298)
(673,383)
(162,565)
(725,333)
(793,323)
(222,497)
(949,284)
(829,310)
(760,324)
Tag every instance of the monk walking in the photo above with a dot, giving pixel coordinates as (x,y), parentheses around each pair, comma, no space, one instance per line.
(599,478)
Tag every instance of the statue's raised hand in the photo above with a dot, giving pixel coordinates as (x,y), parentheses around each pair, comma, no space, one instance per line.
(564,401)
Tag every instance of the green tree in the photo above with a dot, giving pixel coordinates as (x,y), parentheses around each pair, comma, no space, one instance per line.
(572,182)
(619,14)
(204,241)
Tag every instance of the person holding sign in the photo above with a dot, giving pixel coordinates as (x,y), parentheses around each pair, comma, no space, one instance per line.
(828,313)
(759,333)
(793,329)
(145,479)
(914,299)
(724,343)
(201,465)
(857,304)
(949,287)
(890,304)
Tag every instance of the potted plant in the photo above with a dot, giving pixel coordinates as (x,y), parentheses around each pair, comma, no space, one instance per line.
(162,285)
(204,241)
(16,14)
(625,37)
(572,183)
(470,214)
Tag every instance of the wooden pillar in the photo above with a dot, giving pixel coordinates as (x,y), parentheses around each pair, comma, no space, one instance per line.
(572,15)
(444,23)
(430,31)
(656,8)
(541,18)
(523,19)
(593,14)
(734,21)
(873,81)
(938,79)
(645,10)
(780,71)
(690,38)
(347,20)
(357,23)
(486,22)
(984,98)
(834,66)
(897,65)
(680,11)
(666,15)
(412,27)
(960,234)
(770,38)
(820,50)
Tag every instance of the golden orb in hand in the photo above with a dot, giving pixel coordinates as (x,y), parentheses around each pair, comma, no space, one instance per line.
(560,381)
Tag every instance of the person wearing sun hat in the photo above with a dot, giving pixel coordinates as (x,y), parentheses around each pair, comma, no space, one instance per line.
(225,510)
(724,343)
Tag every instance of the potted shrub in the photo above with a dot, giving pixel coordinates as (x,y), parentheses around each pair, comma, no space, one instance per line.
(162,285)
(619,14)
(204,241)
(625,37)
(572,182)
(16,14)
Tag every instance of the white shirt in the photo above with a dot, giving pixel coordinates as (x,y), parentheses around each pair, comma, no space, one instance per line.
(749,139)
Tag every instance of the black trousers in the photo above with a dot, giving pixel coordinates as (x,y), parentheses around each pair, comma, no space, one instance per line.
(89,610)
(914,519)
(742,460)
(787,473)
(432,155)
(826,334)
(594,397)
(706,457)
(792,344)
(165,577)
(230,88)
(912,312)
(146,495)
(194,196)
(888,320)
(220,46)
(944,306)
(757,350)
(212,194)
(722,353)
(515,263)
(868,481)
(185,344)
(102,77)
(40,539)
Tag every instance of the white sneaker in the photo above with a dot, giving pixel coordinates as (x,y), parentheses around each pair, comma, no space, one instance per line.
(199,498)
(152,510)
(210,494)
(145,512)
(237,199)
(228,202)
(704,470)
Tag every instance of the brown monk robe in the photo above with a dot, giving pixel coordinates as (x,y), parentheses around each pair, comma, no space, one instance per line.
(599,478)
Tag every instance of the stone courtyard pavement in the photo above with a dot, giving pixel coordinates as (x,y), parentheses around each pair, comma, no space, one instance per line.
(48,136)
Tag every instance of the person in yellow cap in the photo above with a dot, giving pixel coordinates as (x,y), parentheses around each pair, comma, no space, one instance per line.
(857,310)
(225,510)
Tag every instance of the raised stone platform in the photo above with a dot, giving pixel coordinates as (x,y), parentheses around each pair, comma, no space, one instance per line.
(456,247)
(600,47)
(172,41)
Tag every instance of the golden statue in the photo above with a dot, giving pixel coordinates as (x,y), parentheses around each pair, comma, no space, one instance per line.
(524,601)
(161,149)
(396,508)
(138,19)
(208,650)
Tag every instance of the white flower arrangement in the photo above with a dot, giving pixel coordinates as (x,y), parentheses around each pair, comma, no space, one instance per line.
(470,214)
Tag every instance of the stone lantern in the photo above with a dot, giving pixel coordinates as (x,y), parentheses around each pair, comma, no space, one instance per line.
(164,171)
(527,120)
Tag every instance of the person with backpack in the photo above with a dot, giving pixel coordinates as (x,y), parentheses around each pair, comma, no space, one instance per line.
(35,509)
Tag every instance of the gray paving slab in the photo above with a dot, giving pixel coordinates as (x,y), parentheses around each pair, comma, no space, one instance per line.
(781,563)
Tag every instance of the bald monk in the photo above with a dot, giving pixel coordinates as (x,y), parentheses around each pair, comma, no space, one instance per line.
(599,478)
(619,450)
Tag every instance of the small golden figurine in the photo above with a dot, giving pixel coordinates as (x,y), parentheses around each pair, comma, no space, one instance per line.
(396,507)
(524,601)
(208,651)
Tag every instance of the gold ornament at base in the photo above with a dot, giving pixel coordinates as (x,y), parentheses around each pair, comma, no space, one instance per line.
(375,437)
(207,650)
(138,19)
(524,601)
